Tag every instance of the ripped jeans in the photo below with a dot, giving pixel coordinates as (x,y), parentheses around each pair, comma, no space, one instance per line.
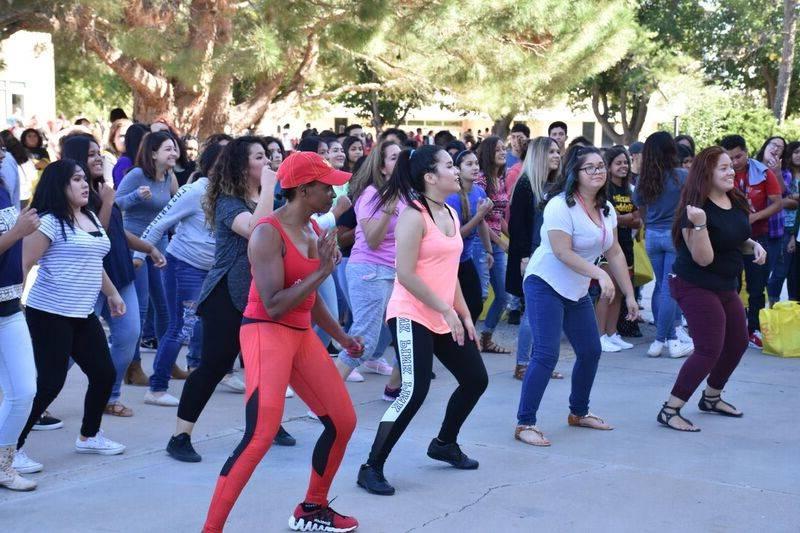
(182,284)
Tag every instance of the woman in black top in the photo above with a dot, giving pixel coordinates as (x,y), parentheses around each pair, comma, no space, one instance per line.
(711,232)
(618,189)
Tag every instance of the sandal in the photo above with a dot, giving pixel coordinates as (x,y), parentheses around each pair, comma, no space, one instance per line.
(488,345)
(664,417)
(709,405)
(556,375)
(531,435)
(117,409)
(519,372)
(588,421)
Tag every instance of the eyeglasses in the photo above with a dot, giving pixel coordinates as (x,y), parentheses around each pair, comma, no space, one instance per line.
(591,170)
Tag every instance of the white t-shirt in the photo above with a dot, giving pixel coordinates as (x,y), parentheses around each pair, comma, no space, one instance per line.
(587,242)
(70,270)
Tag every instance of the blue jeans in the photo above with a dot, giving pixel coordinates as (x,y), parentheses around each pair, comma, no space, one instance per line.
(496,277)
(779,260)
(524,340)
(124,333)
(370,287)
(661,252)
(756,277)
(150,289)
(182,283)
(327,292)
(549,313)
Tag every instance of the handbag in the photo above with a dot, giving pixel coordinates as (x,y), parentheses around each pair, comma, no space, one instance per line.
(781,336)
(642,268)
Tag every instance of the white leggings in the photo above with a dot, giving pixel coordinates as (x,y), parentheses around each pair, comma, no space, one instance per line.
(17,377)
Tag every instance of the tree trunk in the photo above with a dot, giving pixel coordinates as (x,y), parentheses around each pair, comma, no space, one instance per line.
(502,125)
(787,59)
(602,115)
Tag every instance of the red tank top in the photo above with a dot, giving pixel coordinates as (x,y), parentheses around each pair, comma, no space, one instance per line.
(296,267)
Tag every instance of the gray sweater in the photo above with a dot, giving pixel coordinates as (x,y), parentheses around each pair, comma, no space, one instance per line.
(138,213)
(193,241)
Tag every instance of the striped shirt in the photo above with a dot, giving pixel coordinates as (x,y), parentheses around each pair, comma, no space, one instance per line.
(70,270)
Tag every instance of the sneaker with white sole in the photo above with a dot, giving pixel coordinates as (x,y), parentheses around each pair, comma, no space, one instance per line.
(683,335)
(24,464)
(164,399)
(289,392)
(99,444)
(607,345)
(355,377)
(47,422)
(678,349)
(617,339)
(379,366)
(655,349)
(232,383)
(756,340)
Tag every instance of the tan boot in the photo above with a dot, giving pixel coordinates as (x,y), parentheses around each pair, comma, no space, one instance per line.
(136,376)
(179,373)
(10,478)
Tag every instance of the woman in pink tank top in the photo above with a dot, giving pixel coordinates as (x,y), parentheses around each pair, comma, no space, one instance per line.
(427,314)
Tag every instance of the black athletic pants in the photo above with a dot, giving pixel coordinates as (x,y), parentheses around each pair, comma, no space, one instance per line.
(471,288)
(55,339)
(415,346)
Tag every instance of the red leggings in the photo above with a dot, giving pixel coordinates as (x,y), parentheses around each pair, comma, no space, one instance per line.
(276,356)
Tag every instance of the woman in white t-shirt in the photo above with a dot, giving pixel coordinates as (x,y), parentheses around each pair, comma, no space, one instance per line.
(579,226)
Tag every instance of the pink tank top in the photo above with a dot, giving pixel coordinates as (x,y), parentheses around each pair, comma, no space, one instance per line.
(437,265)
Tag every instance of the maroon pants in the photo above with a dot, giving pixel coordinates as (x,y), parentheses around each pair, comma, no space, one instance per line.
(718,327)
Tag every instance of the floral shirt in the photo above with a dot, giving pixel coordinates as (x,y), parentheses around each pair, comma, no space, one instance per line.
(495,217)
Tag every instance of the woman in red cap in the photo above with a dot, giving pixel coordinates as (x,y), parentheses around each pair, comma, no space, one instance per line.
(290,257)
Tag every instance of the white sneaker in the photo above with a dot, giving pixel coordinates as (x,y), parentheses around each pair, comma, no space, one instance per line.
(289,392)
(379,366)
(232,383)
(24,464)
(677,349)
(99,445)
(164,399)
(655,349)
(355,377)
(607,345)
(683,335)
(617,339)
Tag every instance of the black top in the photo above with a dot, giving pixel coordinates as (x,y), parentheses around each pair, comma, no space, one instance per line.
(524,231)
(117,262)
(620,198)
(184,174)
(347,220)
(727,229)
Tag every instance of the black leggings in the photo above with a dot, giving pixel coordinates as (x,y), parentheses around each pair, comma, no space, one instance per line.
(55,338)
(221,323)
(416,346)
(471,288)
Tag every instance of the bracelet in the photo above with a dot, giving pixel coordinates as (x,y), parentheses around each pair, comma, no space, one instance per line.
(700,228)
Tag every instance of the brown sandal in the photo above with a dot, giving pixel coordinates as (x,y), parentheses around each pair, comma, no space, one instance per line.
(531,435)
(117,409)
(556,375)
(488,345)
(588,421)
(519,372)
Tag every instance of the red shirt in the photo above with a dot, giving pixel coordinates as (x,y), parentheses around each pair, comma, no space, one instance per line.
(757,195)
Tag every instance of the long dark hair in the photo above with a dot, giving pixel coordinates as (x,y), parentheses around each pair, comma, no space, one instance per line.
(229,176)
(762,151)
(133,138)
(466,212)
(346,144)
(15,147)
(207,161)
(50,197)
(486,160)
(568,183)
(408,178)
(659,159)
(698,185)
(150,145)
(787,158)
(76,147)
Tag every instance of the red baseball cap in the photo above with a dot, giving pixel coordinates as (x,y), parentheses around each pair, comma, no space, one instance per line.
(304,167)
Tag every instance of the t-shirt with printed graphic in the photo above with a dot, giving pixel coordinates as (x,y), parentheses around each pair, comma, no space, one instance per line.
(10,260)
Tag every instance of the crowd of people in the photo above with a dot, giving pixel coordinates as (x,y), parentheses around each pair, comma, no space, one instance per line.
(305,263)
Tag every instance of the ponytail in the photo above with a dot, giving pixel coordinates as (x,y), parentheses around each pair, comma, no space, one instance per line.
(407,182)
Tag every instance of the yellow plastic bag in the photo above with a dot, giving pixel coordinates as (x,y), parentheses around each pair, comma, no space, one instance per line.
(779,327)
(642,268)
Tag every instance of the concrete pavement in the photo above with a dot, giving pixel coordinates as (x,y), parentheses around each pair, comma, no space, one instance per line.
(735,475)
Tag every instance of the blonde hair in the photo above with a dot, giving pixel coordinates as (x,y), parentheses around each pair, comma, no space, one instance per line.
(536,169)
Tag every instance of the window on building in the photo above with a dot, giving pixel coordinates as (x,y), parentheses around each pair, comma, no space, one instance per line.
(587,131)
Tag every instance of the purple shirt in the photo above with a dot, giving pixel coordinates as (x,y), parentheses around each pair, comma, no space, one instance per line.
(121,168)
(384,254)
